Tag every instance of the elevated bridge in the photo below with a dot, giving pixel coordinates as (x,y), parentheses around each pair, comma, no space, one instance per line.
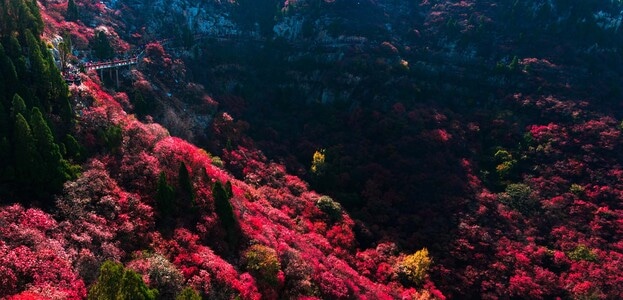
(110,64)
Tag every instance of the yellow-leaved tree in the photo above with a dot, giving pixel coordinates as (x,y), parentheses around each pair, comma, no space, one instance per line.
(414,268)
(318,164)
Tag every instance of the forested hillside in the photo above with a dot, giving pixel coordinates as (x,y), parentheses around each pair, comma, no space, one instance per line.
(310,150)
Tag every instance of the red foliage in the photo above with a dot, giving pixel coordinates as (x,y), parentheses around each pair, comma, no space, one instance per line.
(34,262)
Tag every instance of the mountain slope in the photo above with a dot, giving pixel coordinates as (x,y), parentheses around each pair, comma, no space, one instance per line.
(470,151)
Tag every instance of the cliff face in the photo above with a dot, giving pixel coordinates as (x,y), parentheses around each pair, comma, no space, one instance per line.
(348,40)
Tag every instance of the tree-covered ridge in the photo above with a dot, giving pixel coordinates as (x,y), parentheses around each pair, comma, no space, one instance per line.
(34,106)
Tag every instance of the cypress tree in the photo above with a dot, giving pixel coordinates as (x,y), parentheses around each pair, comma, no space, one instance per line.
(53,169)
(6,169)
(102,47)
(229,190)
(73,148)
(39,72)
(186,191)
(64,49)
(13,48)
(141,107)
(165,196)
(133,287)
(165,203)
(8,75)
(18,106)
(4,122)
(58,91)
(35,21)
(188,293)
(41,130)
(108,282)
(117,282)
(5,146)
(223,208)
(14,52)
(25,154)
(72,11)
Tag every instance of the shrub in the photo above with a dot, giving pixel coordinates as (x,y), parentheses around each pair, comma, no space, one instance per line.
(519,196)
(329,207)
(117,282)
(188,294)
(159,273)
(506,163)
(262,262)
(581,252)
(576,189)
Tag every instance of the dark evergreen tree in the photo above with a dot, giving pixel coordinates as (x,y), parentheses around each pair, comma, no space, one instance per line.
(18,106)
(117,282)
(229,190)
(8,75)
(111,137)
(25,156)
(133,287)
(35,22)
(53,169)
(186,191)
(32,162)
(57,89)
(73,149)
(102,47)
(72,11)
(188,293)
(39,74)
(64,49)
(165,204)
(19,60)
(4,122)
(188,40)
(17,15)
(6,169)
(141,107)
(165,196)
(223,208)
